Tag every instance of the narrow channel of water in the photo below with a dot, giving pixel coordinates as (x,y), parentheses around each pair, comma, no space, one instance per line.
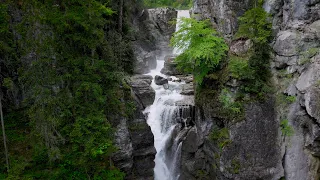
(163,117)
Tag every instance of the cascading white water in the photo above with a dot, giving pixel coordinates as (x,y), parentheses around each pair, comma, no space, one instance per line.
(163,117)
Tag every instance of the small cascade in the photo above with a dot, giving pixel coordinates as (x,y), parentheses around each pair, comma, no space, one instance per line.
(169,116)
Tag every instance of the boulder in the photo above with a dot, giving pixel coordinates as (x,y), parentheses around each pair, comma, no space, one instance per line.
(240,47)
(142,89)
(160,80)
(287,43)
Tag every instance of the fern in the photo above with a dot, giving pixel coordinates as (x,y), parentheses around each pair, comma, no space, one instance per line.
(202,48)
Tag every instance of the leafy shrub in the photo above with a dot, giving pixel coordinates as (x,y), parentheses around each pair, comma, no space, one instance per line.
(239,68)
(202,48)
(228,103)
(286,129)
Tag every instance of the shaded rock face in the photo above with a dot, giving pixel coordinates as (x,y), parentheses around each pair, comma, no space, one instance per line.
(133,136)
(257,148)
(153,33)
(141,87)
(162,28)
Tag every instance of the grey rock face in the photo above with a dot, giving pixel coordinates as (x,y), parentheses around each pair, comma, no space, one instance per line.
(162,28)
(135,142)
(287,44)
(153,33)
(123,157)
(257,148)
(141,87)
(170,67)
(222,13)
(160,80)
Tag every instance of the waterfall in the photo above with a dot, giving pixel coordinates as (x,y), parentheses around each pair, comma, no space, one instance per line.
(167,118)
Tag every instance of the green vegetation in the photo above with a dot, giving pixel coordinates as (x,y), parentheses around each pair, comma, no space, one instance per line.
(235,166)
(284,100)
(69,63)
(286,129)
(228,103)
(239,68)
(307,55)
(202,175)
(221,136)
(179,4)
(202,49)
(255,24)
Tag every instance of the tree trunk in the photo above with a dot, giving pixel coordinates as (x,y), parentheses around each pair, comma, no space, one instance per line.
(4,135)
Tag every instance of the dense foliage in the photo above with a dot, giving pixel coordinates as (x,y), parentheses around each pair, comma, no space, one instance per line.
(179,4)
(69,60)
(202,48)
(255,25)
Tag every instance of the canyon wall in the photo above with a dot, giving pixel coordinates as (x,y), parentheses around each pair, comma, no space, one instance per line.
(256,147)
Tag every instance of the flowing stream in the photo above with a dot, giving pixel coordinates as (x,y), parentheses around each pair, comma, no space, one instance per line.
(165,117)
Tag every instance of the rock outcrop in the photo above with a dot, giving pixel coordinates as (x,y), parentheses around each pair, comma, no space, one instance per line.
(153,31)
(222,13)
(133,136)
(170,67)
(257,147)
(141,87)
(160,80)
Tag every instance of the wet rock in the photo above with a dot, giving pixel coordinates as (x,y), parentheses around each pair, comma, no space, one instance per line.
(160,80)
(142,89)
(187,89)
(170,67)
(187,79)
(190,142)
(153,30)
(135,143)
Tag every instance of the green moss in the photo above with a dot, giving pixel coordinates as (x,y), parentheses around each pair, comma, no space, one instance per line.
(221,137)
(235,165)
(202,174)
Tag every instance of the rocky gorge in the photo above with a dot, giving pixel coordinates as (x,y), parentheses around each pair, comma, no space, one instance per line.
(79,110)
(256,147)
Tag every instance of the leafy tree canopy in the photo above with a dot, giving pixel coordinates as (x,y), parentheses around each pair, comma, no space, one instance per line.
(202,48)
